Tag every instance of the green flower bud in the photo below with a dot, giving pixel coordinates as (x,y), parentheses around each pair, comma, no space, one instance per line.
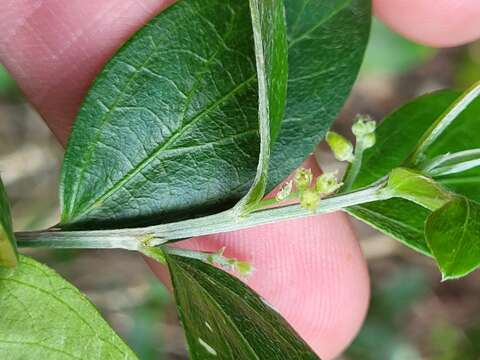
(309,199)
(303,179)
(327,183)
(243,268)
(342,148)
(368,140)
(285,191)
(217,256)
(364,125)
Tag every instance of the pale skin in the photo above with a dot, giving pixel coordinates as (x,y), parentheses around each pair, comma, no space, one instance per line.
(311,270)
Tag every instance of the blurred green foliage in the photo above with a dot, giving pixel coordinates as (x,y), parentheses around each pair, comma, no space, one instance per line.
(387,332)
(8,87)
(381,337)
(468,68)
(145,336)
(390,54)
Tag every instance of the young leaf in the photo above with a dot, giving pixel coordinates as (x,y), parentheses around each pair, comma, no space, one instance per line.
(8,246)
(326,41)
(44,317)
(224,319)
(453,234)
(270,37)
(170,126)
(417,188)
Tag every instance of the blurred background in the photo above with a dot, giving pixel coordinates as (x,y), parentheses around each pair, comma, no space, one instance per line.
(412,315)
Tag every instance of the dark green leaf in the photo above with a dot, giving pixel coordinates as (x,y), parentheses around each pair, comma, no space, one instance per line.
(224,319)
(44,317)
(170,126)
(389,53)
(8,246)
(270,38)
(453,235)
(327,40)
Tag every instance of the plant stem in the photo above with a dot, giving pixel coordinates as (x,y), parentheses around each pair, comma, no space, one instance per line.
(354,168)
(138,238)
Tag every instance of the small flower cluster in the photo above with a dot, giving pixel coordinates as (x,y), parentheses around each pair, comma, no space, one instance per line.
(309,193)
(364,131)
(242,268)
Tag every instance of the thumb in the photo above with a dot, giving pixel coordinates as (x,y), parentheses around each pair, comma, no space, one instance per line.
(54,48)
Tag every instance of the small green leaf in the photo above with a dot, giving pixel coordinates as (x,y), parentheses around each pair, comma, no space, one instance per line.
(270,38)
(453,234)
(417,188)
(44,317)
(8,246)
(224,319)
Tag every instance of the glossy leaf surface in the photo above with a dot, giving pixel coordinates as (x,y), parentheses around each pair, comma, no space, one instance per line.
(44,317)
(170,129)
(8,247)
(224,319)
(170,126)
(453,234)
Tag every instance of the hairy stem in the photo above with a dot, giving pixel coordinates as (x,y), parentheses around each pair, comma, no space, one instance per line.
(138,238)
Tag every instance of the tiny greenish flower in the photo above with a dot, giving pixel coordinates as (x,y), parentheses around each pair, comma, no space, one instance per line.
(303,179)
(369,140)
(310,199)
(363,125)
(217,256)
(285,191)
(244,268)
(342,148)
(327,183)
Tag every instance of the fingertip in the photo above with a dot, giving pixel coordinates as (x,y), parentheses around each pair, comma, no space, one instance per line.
(54,49)
(437,23)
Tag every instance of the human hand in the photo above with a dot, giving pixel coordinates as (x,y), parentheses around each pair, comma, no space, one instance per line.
(312,269)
